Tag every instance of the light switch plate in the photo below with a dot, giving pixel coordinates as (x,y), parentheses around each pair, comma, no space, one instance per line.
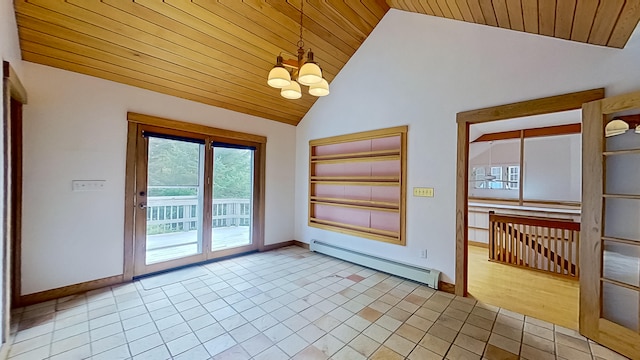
(88,185)
(423,191)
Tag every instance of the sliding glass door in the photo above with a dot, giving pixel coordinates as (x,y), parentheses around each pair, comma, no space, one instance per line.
(175,199)
(232,215)
(195,199)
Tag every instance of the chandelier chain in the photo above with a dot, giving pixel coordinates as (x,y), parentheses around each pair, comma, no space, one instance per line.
(300,42)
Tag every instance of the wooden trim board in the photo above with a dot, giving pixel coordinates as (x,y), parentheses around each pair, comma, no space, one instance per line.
(371,134)
(16,89)
(478,244)
(190,127)
(301,244)
(130,200)
(529,133)
(276,246)
(446,287)
(591,230)
(540,106)
(462,208)
(14,97)
(47,295)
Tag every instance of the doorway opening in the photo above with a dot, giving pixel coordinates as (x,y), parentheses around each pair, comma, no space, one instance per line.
(465,120)
(524,215)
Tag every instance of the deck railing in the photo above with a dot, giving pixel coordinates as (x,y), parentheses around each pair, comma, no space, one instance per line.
(550,245)
(167,214)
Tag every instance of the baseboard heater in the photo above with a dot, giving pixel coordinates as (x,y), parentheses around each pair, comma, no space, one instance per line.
(428,277)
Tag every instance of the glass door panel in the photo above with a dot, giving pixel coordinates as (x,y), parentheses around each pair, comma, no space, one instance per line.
(174,199)
(232,209)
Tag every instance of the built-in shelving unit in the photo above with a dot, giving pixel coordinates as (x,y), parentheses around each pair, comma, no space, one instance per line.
(357,184)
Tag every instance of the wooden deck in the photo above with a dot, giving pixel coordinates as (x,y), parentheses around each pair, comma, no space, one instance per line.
(543,296)
(163,247)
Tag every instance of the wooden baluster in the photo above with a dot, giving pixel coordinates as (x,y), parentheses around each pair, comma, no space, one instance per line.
(521,245)
(552,254)
(535,248)
(510,230)
(525,246)
(529,254)
(577,237)
(516,235)
(552,233)
(503,246)
(559,239)
(563,253)
(529,245)
(514,232)
(559,244)
(499,242)
(545,249)
(491,239)
(570,251)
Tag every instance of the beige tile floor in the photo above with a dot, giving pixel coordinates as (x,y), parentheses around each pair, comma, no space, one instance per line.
(288,303)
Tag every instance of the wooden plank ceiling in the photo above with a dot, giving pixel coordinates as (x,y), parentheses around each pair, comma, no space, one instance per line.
(220,52)
(598,22)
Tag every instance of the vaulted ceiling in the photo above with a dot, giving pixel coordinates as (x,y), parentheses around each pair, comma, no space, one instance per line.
(220,52)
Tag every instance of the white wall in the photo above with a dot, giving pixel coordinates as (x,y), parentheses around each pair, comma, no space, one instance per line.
(75,128)
(553,168)
(421,70)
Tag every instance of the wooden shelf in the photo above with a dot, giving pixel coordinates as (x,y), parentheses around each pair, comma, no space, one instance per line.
(372,203)
(355,206)
(357,178)
(364,154)
(621,240)
(357,159)
(388,236)
(356,183)
(357,173)
(620,283)
(621,196)
(621,152)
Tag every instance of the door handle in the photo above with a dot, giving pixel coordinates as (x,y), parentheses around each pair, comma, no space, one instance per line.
(142,205)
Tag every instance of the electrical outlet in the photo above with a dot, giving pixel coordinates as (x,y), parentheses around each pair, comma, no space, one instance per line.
(88,185)
(423,253)
(423,192)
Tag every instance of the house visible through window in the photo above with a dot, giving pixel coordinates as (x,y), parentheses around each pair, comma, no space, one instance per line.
(513,177)
(500,177)
(496,177)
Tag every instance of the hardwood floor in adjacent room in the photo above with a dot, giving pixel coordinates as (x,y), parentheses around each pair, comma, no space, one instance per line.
(528,292)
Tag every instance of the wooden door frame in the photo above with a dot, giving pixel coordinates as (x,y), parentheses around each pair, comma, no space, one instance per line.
(464,120)
(15,96)
(135,122)
(594,115)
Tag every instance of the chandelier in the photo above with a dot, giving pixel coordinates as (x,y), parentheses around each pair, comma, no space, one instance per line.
(306,72)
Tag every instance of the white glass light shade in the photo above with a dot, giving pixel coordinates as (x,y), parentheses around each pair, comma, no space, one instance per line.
(310,74)
(291,91)
(319,89)
(615,127)
(279,77)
